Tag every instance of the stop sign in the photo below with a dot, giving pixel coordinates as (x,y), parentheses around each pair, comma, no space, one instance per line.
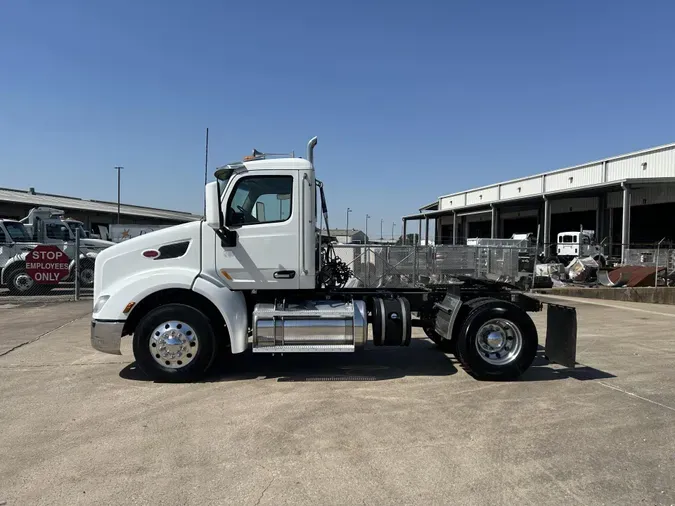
(47,264)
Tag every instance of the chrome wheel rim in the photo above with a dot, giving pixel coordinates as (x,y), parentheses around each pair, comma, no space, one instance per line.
(23,282)
(87,276)
(173,344)
(499,341)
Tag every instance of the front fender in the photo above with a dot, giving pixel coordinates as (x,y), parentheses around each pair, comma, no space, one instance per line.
(232,305)
(18,260)
(137,287)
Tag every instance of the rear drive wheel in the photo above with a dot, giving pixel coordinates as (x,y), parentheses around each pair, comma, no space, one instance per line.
(450,345)
(174,343)
(497,341)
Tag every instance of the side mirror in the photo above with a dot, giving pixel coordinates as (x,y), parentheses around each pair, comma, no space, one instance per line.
(214,216)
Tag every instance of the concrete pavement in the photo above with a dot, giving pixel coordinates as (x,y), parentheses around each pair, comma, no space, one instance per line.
(385,426)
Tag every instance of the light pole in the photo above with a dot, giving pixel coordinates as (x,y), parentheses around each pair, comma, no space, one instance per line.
(392,230)
(347,238)
(367,216)
(119,179)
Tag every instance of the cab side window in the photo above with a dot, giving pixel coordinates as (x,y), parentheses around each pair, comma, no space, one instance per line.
(260,199)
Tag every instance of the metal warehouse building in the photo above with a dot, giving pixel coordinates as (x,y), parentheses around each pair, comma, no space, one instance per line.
(16,204)
(629,200)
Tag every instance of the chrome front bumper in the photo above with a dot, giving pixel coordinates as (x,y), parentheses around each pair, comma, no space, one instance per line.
(106,336)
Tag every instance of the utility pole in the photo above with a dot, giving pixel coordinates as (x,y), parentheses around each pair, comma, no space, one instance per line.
(367,216)
(381,225)
(119,180)
(347,238)
(392,230)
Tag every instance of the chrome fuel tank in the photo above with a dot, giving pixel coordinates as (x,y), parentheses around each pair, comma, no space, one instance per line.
(310,326)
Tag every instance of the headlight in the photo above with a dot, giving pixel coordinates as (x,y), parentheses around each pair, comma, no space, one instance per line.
(100,302)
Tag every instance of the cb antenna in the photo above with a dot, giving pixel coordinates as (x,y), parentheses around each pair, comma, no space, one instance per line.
(206,165)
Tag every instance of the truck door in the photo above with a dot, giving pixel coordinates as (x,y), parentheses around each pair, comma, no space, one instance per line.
(262,207)
(7,249)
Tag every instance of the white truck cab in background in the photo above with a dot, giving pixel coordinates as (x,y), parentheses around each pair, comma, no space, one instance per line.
(581,243)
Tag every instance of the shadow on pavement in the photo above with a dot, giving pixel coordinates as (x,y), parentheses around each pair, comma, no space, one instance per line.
(541,371)
(421,358)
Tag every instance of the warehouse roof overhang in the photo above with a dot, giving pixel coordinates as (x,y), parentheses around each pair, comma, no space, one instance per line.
(653,164)
(531,200)
(73,203)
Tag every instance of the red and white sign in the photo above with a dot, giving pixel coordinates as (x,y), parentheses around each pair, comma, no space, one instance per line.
(47,264)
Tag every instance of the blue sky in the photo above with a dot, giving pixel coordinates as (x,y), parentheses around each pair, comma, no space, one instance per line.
(410,100)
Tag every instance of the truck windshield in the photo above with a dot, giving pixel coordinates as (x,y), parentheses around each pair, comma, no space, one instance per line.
(17,231)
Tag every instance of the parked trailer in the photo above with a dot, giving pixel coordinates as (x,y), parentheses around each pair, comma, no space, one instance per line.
(254,274)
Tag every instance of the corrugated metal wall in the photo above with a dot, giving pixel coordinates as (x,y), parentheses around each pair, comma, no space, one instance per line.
(574,205)
(521,188)
(484,196)
(657,164)
(576,178)
(653,194)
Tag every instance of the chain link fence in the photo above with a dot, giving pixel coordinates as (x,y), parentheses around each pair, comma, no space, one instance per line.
(58,271)
(377,266)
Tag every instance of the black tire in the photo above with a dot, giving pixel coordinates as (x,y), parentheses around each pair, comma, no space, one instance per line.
(198,365)
(430,330)
(450,346)
(87,275)
(17,285)
(467,349)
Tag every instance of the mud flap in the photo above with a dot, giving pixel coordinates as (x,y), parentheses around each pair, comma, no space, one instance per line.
(561,335)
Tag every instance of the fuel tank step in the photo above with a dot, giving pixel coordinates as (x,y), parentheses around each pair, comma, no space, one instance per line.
(307,348)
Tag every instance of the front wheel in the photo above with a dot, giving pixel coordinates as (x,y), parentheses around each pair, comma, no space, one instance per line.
(497,341)
(174,343)
(87,275)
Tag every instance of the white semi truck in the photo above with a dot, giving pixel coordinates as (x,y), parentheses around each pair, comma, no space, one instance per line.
(15,243)
(47,225)
(255,275)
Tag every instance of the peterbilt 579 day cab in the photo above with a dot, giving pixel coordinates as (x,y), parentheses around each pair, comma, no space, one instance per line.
(255,274)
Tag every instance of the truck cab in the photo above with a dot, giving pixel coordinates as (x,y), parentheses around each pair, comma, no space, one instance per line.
(14,240)
(15,243)
(571,245)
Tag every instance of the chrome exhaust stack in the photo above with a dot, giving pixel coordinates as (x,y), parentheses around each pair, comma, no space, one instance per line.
(310,149)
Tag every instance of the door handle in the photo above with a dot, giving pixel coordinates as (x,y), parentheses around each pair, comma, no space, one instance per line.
(284,275)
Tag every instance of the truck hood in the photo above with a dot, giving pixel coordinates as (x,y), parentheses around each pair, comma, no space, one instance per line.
(126,259)
(95,243)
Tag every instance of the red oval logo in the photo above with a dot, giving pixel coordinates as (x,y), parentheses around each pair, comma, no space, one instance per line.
(151,253)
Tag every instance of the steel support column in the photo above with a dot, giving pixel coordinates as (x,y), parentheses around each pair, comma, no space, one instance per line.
(426,231)
(493,222)
(547,227)
(404,230)
(454,228)
(625,222)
